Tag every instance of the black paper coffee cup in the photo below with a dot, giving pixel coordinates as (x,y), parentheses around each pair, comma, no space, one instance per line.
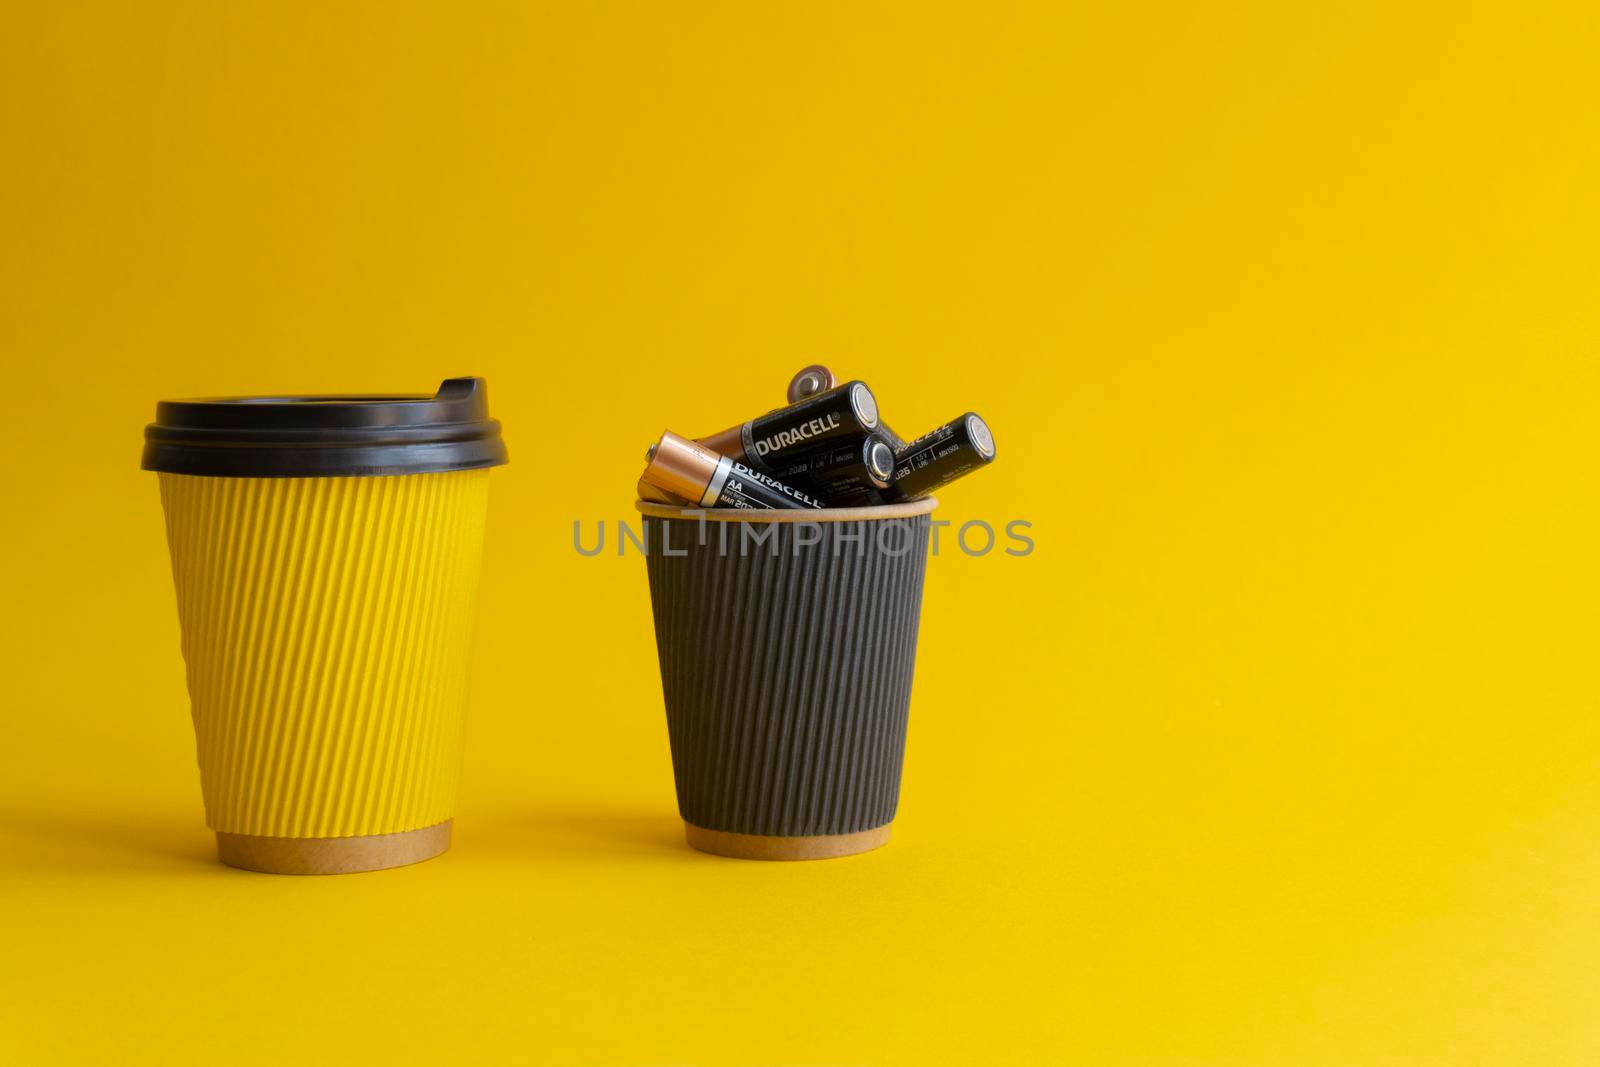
(787,641)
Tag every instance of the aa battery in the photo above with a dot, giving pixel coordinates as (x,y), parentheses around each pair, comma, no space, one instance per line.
(770,441)
(938,458)
(694,473)
(849,474)
(809,381)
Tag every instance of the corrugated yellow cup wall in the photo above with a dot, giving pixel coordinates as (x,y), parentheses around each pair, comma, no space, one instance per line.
(327,629)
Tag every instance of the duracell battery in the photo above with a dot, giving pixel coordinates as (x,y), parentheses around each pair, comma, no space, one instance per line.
(809,381)
(850,474)
(938,458)
(696,474)
(769,442)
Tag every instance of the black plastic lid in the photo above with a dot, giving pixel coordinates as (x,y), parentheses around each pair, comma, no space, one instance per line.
(326,436)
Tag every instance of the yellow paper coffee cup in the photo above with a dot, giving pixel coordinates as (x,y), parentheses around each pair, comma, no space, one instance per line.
(326,553)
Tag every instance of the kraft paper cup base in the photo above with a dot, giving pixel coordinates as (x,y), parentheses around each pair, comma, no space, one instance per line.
(761,847)
(332,855)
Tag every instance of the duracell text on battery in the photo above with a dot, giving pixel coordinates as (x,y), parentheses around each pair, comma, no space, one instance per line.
(940,456)
(694,473)
(845,412)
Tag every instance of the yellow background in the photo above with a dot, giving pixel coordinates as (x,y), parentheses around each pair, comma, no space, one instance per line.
(1281,748)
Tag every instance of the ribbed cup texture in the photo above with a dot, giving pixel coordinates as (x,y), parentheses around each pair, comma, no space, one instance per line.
(327,627)
(787,670)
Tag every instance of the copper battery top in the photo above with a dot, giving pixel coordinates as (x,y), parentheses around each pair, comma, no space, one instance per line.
(729,442)
(810,381)
(680,466)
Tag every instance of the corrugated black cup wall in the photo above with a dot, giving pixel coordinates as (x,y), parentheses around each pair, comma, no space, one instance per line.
(787,641)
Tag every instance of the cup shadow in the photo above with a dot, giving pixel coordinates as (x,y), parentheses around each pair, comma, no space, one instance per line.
(80,842)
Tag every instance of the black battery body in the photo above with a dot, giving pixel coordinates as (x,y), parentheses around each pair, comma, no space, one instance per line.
(846,474)
(895,441)
(769,441)
(939,457)
(735,485)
